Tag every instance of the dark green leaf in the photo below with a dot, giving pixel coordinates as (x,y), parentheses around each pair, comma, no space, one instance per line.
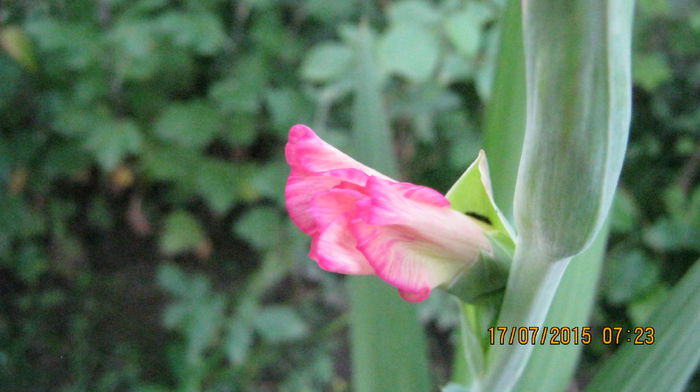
(110,142)
(182,232)
(259,226)
(277,323)
(193,124)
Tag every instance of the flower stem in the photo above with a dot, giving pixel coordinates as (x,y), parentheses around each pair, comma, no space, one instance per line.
(469,340)
(531,287)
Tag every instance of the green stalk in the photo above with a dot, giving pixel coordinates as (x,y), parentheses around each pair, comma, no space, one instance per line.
(578,96)
(550,367)
(535,280)
(387,341)
(470,343)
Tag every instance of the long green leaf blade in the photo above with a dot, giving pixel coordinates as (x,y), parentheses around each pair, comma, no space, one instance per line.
(667,364)
(504,126)
(387,340)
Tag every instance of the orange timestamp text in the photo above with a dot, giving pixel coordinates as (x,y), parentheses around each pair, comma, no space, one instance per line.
(569,335)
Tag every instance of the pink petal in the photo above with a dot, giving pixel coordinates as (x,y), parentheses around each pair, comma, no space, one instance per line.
(422,194)
(334,250)
(414,297)
(302,186)
(405,261)
(328,206)
(316,167)
(387,206)
(392,254)
(362,222)
(413,245)
(298,193)
(305,150)
(333,246)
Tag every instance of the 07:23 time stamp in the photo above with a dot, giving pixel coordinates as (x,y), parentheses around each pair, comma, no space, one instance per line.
(568,335)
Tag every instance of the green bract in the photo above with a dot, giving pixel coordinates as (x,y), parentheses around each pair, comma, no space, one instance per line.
(472,195)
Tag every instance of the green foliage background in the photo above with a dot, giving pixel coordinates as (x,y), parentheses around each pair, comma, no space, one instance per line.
(143,240)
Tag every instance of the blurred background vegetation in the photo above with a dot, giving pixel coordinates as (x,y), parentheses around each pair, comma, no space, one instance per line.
(144,244)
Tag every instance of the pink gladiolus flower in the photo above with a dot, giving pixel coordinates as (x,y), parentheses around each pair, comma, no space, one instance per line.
(365,223)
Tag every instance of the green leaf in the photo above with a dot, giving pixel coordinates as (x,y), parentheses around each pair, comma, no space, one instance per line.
(668,235)
(200,31)
(629,274)
(65,159)
(455,68)
(288,107)
(170,163)
(240,129)
(329,10)
(241,91)
(410,51)
(327,62)
(268,33)
(259,226)
(182,233)
(196,311)
(624,216)
(16,43)
(135,45)
(31,263)
(504,123)
(277,324)
(236,94)
(219,183)
(238,341)
(642,308)
(193,124)
(151,388)
(270,179)
(668,363)
(651,70)
(110,142)
(262,4)
(203,326)
(71,44)
(412,12)
(179,284)
(11,74)
(463,29)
